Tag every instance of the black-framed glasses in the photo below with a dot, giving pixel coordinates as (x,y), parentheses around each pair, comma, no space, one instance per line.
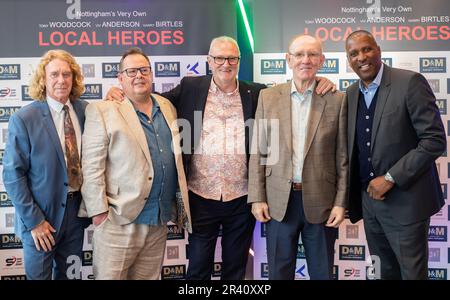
(220,60)
(132,72)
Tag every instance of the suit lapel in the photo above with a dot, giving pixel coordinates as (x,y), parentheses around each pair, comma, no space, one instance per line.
(315,114)
(129,115)
(51,130)
(79,111)
(246,99)
(352,102)
(383,93)
(285,117)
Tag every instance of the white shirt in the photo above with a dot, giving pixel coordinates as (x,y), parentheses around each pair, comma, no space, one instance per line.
(57,112)
(301,106)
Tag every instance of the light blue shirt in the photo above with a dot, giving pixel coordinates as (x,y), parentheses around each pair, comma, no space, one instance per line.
(370,91)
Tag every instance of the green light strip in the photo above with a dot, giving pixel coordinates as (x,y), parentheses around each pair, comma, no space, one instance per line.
(247,25)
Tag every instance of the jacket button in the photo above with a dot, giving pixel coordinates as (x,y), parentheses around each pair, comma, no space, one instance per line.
(150,178)
(66,184)
(63,204)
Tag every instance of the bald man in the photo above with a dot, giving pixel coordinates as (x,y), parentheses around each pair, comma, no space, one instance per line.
(304,189)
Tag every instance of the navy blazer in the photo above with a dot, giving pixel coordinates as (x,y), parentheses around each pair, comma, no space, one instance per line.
(189,98)
(34,168)
(407,137)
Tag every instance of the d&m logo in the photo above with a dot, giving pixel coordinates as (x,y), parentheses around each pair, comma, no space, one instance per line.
(434,254)
(6,112)
(442,105)
(263,230)
(345,83)
(7,93)
(110,70)
(433,64)
(87,258)
(273,66)
(92,92)
(173,272)
(437,274)
(352,252)
(437,234)
(14,277)
(335,275)
(10,241)
(4,200)
(352,272)
(13,261)
(387,61)
(25,93)
(264,270)
(217,270)
(175,232)
(301,251)
(9,72)
(330,66)
(173,252)
(167,69)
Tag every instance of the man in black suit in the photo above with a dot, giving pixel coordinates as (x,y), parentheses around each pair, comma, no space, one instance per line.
(395,134)
(214,113)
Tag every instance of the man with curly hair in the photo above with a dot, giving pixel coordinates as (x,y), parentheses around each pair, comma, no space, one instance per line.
(42,171)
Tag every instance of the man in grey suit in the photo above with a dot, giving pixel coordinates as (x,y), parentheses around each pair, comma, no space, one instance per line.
(395,134)
(299,183)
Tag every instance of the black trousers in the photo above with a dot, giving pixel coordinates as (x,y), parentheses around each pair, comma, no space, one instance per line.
(402,249)
(237,224)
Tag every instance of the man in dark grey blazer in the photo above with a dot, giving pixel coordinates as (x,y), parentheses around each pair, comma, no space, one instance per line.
(395,134)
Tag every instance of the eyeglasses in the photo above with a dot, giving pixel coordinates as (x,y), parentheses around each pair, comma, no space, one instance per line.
(302,55)
(219,60)
(132,72)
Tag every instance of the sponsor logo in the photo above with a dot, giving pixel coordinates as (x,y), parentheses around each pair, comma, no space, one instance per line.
(352,272)
(92,92)
(175,232)
(301,271)
(9,72)
(25,93)
(173,252)
(437,234)
(273,66)
(433,64)
(192,69)
(9,220)
(167,86)
(6,112)
(13,261)
(435,85)
(217,270)
(330,66)
(173,272)
(167,69)
(352,252)
(345,83)
(7,93)
(437,274)
(4,200)
(14,277)
(10,241)
(110,70)
(263,230)
(301,251)
(88,70)
(264,270)
(434,254)
(442,105)
(87,258)
(352,231)
(387,61)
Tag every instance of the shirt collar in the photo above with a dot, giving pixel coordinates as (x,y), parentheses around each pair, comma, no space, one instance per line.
(308,91)
(375,83)
(215,89)
(56,105)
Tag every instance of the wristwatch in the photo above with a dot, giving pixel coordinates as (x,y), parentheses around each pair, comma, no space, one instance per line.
(389,178)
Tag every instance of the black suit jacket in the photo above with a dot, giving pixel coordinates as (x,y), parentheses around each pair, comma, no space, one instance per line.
(407,137)
(189,98)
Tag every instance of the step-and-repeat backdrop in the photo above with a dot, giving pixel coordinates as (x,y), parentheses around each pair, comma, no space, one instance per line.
(413,35)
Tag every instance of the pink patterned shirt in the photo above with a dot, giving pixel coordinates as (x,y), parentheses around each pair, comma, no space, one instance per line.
(219,164)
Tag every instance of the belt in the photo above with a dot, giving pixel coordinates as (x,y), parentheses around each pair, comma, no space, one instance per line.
(297,186)
(73,195)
